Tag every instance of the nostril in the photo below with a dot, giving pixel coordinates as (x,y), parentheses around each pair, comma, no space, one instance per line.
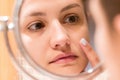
(61,45)
(60,42)
(56,45)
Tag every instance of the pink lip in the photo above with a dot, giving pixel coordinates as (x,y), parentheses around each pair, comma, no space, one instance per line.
(63,58)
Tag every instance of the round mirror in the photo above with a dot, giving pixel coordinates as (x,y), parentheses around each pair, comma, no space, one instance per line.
(52,35)
(54,40)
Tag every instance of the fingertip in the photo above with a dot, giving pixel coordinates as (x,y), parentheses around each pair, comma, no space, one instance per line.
(83,42)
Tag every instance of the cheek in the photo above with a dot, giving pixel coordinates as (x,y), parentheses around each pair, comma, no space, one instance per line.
(28,43)
(84,33)
(80,33)
(26,40)
(35,47)
(77,36)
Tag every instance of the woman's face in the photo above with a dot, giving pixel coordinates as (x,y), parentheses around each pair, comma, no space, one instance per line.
(51,31)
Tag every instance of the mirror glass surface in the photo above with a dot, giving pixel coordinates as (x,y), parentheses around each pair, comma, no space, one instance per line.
(52,35)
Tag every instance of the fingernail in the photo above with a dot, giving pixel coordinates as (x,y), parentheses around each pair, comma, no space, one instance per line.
(83,42)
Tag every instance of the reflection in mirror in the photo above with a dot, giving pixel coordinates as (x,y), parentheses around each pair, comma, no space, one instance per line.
(56,38)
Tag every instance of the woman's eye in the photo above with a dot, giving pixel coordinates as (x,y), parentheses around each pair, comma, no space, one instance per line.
(36,26)
(71,19)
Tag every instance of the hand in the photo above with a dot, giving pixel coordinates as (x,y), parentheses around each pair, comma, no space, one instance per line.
(93,59)
(90,53)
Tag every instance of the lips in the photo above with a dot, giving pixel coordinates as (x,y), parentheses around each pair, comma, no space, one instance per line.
(63,58)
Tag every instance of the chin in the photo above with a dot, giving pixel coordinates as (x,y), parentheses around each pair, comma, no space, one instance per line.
(68,71)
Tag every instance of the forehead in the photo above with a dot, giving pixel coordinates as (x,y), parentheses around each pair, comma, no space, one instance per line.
(49,2)
(46,5)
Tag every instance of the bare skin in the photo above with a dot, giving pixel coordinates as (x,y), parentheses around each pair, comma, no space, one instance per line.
(52,35)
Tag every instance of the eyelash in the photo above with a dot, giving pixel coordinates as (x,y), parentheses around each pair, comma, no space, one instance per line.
(36,26)
(74,17)
(70,19)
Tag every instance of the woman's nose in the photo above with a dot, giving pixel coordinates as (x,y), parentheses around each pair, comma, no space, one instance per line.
(60,39)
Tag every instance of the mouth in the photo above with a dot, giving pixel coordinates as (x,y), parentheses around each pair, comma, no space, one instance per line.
(63,58)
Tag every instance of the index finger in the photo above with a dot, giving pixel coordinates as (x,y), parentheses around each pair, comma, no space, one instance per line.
(90,53)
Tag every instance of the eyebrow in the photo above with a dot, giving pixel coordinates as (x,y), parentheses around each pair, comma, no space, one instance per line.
(37,14)
(64,9)
(70,6)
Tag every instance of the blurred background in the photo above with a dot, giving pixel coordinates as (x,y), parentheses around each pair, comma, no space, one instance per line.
(7,70)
